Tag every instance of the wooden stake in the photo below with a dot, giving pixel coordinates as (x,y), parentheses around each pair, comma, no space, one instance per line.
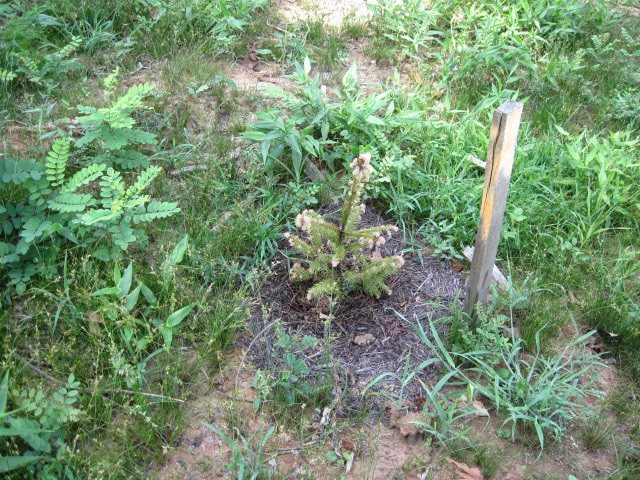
(502,146)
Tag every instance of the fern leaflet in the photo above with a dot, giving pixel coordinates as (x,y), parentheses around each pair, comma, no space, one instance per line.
(97,217)
(56,161)
(157,210)
(143,181)
(83,177)
(71,202)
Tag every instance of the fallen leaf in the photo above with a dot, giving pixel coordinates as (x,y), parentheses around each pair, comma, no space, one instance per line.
(94,319)
(347,445)
(409,425)
(481,410)
(466,472)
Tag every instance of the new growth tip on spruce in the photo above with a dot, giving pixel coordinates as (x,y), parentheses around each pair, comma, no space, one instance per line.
(340,258)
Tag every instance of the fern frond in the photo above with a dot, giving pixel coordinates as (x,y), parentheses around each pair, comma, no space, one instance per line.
(134,96)
(83,177)
(142,182)
(128,159)
(28,65)
(112,186)
(142,137)
(135,202)
(71,202)
(6,75)
(97,217)
(115,137)
(111,82)
(71,47)
(56,161)
(156,210)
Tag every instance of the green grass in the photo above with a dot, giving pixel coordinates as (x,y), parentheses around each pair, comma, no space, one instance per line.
(570,238)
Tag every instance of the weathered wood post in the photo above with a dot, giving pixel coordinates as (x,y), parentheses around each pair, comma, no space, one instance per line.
(502,146)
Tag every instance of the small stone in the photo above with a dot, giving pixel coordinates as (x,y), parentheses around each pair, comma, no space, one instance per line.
(363,339)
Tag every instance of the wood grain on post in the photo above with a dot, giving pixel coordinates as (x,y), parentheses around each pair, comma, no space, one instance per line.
(502,146)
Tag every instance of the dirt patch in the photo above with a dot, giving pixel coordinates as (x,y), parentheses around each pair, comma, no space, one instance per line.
(330,13)
(255,75)
(25,142)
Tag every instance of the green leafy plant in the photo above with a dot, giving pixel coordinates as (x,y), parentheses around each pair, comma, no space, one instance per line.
(47,71)
(342,258)
(48,203)
(313,135)
(486,333)
(33,54)
(111,132)
(248,462)
(626,108)
(132,325)
(289,381)
(216,25)
(600,181)
(39,432)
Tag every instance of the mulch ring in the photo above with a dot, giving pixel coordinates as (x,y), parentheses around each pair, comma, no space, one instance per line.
(367,337)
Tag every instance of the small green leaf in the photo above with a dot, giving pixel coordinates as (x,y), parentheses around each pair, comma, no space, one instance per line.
(148,294)
(332,456)
(176,317)
(4,386)
(8,464)
(125,282)
(132,299)
(107,291)
(178,252)
(34,228)
(308,340)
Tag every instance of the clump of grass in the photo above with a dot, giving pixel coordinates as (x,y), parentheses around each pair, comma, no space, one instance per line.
(597,433)
(533,392)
